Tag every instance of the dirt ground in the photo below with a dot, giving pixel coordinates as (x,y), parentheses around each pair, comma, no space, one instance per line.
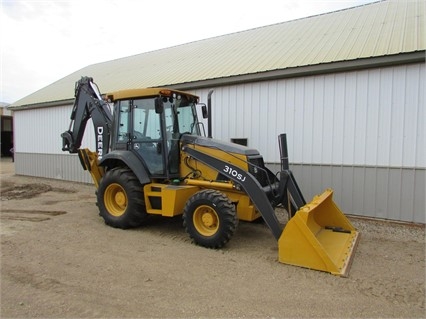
(59,259)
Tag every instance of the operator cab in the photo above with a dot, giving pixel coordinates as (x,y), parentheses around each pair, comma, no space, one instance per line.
(150,123)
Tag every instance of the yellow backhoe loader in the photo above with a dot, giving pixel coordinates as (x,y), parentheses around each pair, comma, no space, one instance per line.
(153,158)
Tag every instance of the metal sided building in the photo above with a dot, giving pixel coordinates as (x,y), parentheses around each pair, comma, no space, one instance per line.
(348,88)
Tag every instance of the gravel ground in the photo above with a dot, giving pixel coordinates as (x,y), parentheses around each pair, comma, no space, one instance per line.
(59,260)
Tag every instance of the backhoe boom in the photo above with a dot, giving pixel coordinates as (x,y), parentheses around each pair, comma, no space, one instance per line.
(88,104)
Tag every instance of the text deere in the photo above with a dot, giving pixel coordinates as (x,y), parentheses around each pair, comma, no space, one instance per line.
(99,141)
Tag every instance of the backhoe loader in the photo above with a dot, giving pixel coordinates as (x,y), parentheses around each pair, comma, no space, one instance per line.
(152,158)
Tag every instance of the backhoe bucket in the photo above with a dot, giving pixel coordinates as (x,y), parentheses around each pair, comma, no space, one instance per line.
(320,237)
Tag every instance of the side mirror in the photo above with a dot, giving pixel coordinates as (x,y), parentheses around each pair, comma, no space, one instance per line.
(159,106)
(204,111)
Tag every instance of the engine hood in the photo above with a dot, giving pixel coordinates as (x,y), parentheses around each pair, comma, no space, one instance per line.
(218,144)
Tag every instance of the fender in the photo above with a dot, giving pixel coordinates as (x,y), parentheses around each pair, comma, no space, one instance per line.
(247,181)
(131,160)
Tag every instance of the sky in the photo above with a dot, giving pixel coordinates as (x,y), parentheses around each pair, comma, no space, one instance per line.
(42,41)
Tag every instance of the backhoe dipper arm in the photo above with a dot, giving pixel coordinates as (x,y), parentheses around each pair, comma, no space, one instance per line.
(247,181)
(88,104)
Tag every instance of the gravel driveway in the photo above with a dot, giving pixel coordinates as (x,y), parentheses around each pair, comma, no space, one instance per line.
(59,259)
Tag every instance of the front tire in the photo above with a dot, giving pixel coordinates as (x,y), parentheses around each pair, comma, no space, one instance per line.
(121,199)
(210,219)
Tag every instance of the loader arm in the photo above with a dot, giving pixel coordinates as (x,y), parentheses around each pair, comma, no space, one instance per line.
(247,181)
(88,104)
(317,236)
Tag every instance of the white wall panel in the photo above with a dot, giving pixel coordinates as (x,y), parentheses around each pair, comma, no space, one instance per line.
(360,122)
(385,115)
(397,117)
(366,118)
(372,116)
(39,130)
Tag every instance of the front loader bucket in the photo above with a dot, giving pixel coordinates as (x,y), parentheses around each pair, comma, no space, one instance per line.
(320,237)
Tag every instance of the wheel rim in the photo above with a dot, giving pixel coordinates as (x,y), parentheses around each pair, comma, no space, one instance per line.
(206,220)
(115,199)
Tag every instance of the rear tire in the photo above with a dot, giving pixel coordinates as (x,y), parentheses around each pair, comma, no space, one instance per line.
(210,219)
(121,199)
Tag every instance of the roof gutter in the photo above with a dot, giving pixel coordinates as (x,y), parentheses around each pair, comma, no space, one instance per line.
(41,105)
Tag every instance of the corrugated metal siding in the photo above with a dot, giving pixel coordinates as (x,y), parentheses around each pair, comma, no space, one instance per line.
(364,118)
(379,192)
(55,166)
(374,30)
(38,144)
(39,130)
(361,133)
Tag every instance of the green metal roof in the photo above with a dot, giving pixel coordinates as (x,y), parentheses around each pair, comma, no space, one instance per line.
(380,29)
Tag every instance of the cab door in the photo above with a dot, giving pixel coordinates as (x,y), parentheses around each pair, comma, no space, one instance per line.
(147,137)
(121,138)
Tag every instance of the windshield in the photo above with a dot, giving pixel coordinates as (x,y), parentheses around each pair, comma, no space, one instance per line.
(180,114)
